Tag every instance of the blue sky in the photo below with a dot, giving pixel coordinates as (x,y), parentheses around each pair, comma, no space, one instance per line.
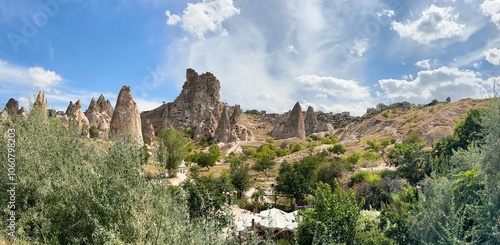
(334,55)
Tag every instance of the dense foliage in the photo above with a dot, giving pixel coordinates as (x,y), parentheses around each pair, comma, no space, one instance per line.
(78,191)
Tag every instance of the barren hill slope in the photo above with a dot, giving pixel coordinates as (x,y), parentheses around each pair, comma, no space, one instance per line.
(430,122)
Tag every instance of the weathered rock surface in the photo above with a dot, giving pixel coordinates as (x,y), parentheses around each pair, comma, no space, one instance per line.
(148,131)
(294,124)
(12,108)
(310,122)
(75,115)
(126,119)
(291,126)
(99,114)
(41,102)
(197,108)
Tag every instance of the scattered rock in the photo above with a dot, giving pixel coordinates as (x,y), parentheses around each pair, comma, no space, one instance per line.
(126,119)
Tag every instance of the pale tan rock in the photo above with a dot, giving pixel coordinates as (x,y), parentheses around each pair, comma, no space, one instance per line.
(75,115)
(41,103)
(197,108)
(98,116)
(291,126)
(126,119)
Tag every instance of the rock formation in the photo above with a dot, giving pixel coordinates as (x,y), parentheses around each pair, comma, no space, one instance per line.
(75,115)
(99,114)
(291,126)
(126,119)
(148,131)
(12,108)
(41,103)
(310,122)
(314,125)
(198,109)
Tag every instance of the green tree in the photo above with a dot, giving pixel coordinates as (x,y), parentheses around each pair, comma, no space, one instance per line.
(207,159)
(469,129)
(263,165)
(331,220)
(298,179)
(329,171)
(379,147)
(172,150)
(239,173)
(337,149)
(208,198)
(354,158)
(395,217)
(72,191)
(258,198)
(295,147)
(412,163)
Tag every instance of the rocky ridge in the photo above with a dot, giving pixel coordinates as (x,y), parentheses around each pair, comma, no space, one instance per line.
(198,109)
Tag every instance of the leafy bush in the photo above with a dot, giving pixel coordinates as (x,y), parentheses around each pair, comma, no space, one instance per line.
(71,191)
(371,156)
(295,147)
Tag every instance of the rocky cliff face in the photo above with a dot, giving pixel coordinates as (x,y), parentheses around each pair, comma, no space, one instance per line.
(291,126)
(197,108)
(99,114)
(126,119)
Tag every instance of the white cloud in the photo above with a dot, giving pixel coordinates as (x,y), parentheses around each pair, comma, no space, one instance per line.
(491,8)
(436,84)
(493,56)
(434,23)
(359,47)
(200,18)
(335,87)
(27,77)
(426,63)
(321,96)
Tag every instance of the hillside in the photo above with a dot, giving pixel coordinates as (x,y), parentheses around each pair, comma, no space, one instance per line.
(430,122)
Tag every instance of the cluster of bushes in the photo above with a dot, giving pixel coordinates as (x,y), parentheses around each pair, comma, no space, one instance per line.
(73,191)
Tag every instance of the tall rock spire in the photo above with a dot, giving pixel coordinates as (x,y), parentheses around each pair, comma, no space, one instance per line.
(126,119)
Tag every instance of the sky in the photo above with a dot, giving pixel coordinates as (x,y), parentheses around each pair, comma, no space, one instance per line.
(334,55)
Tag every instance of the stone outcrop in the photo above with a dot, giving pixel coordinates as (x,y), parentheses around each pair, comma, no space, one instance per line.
(99,114)
(126,119)
(198,109)
(291,126)
(75,115)
(313,125)
(294,124)
(310,122)
(12,108)
(148,131)
(41,103)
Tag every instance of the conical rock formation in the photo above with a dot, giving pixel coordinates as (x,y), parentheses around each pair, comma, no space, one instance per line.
(126,119)
(291,126)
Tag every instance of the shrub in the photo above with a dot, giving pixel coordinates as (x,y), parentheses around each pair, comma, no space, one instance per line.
(295,147)
(371,156)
